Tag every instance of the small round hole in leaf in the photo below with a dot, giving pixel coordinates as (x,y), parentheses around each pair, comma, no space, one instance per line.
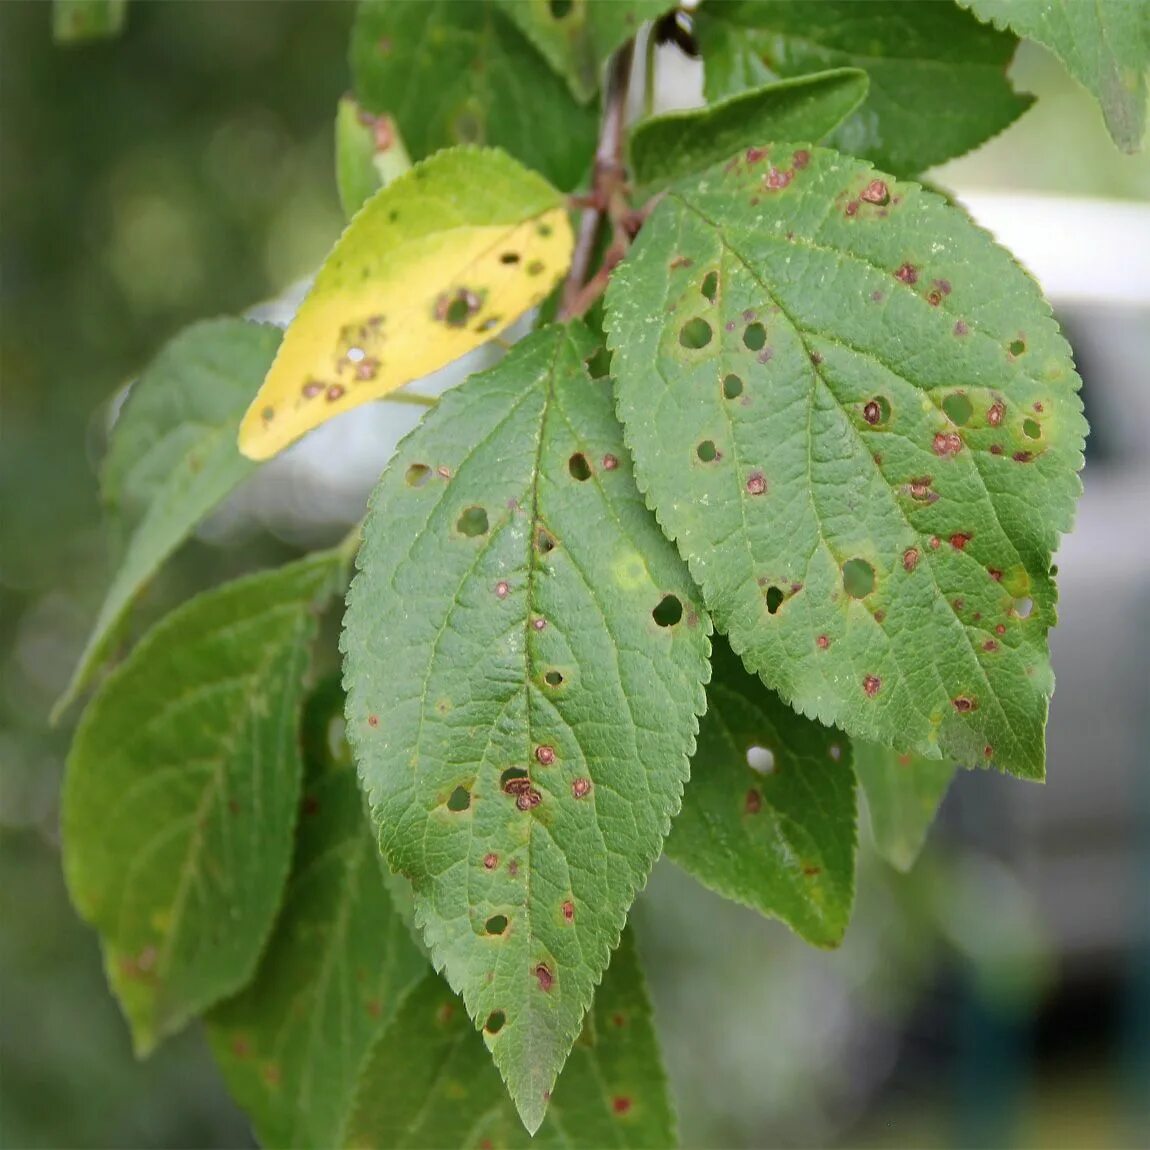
(496,924)
(707,451)
(417,475)
(668,612)
(560,8)
(473,522)
(1032,429)
(858,578)
(553,679)
(510,775)
(755,336)
(711,285)
(958,408)
(459,799)
(761,759)
(544,541)
(695,333)
(579,467)
(775,599)
(1017,347)
(732,387)
(495,1021)
(1023,607)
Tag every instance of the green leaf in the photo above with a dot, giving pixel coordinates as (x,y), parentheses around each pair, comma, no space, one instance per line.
(769,817)
(525,662)
(1105,46)
(938,77)
(369,154)
(293,1044)
(461,72)
(430,1083)
(577,36)
(76,21)
(856,417)
(173,458)
(668,147)
(903,794)
(181,794)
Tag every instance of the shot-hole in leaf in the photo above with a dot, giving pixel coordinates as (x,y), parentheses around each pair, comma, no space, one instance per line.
(417,280)
(901,539)
(584,581)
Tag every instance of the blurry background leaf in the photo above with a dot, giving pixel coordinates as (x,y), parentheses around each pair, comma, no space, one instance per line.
(74,21)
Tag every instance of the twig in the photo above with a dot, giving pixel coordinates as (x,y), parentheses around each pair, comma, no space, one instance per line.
(607,176)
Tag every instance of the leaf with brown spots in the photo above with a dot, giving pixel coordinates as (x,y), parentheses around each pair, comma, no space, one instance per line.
(430,1083)
(861,445)
(768,817)
(437,263)
(546,670)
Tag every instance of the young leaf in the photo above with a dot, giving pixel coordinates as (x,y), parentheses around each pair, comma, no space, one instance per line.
(938,77)
(577,36)
(903,794)
(430,1083)
(436,264)
(769,817)
(173,458)
(856,417)
(525,660)
(181,794)
(1104,45)
(668,147)
(75,21)
(461,72)
(293,1044)
(369,154)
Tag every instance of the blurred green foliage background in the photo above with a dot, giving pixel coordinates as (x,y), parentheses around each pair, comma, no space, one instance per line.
(184,171)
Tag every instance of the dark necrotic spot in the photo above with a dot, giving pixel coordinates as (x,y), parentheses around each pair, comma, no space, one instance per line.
(535,268)
(473,522)
(732,387)
(496,924)
(668,612)
(417,475)
(459,799)
(858,578)
(877,410)
(579,467)
(755,336)
(711,285)
(495,1021)
(706,451)
(958,408)
(775,599)
(509,258)
(695,333)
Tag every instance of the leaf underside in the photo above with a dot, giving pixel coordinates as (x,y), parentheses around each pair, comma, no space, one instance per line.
(525,662)
(181,793)
(768,817)
(1105,46)
(938,76)
(430,1083)
(856,417)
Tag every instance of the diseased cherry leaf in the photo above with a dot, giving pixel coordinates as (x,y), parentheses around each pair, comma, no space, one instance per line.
(1105,46)
(858,420)
(172,458)
(463,72)
(430,1083)
(938,76)
(525,660)
(668,147)
(903,793)
(369,154)
(577,36)
(293,1044)
(769,815)
(181,793)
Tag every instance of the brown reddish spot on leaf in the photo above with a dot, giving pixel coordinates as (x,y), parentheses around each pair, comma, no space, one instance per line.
(754,155)
(995,413)
(872,413)
(502,588)
(544,975)
(801,158)
(619,1020)
(610,463)
(822,642)
(528,799)
(920,489)
(443,472)
(946,444)
(988,750)
(538,624)
(1023,456)
(871,685)
(964,705)
(908,273)
(373,720)
(310,804)
(545,755)
(959,540)
(621,1104)
(569,911)
(581,787)
(910,559)
(680,262)
(995,574)
(311,389)
(241,1048)
(904,760)
(996,449)
(876,192)
(876,296)
(490,860)
(753,803)
(959,604)
(990,645)
(851,209)
(513,868)
(336,392)
(879,616)
(960,327)
(756,483)
(1000,629)
(374,1008)
(778,178)
(934,298)
(1038,408)
(816,359)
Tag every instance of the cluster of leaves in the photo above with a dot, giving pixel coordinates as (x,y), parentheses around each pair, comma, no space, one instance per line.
(772,519)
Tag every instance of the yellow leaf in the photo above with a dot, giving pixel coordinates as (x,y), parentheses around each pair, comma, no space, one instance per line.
(434,265)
